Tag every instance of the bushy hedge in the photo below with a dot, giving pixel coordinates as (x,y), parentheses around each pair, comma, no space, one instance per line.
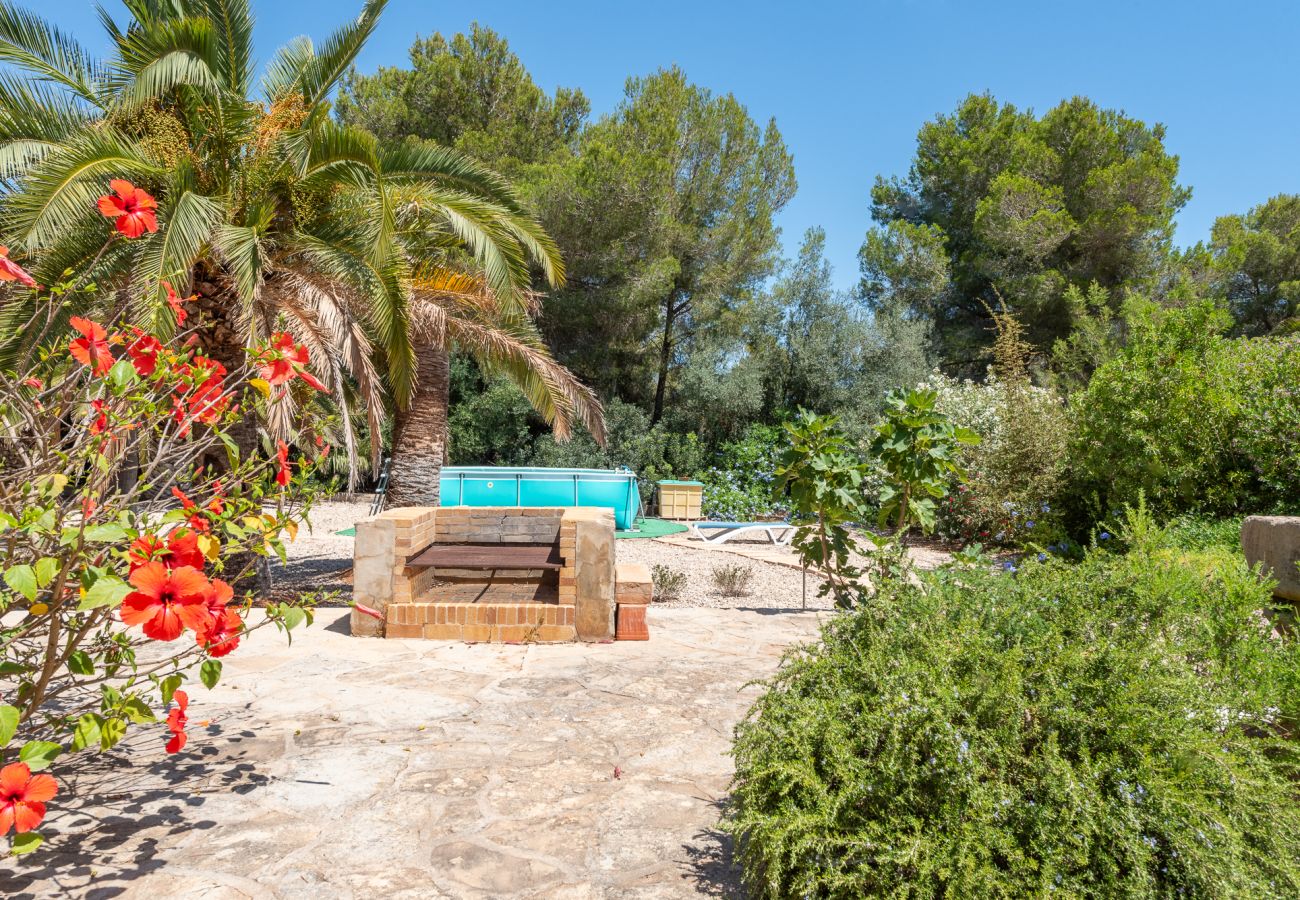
(1115,728)
(1196,421)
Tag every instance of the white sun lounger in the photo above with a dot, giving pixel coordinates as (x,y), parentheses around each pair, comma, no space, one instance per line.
(779,533)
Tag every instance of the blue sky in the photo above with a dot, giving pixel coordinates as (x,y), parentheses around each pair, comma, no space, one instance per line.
(850,83)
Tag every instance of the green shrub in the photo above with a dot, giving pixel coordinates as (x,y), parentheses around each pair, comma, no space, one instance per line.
(651,451)
(732,579)
(741,484)
(1198,422)
(668,583)
(1015,476)
(1116,728)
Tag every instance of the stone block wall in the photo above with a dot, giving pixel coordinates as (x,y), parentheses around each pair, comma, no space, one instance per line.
(1273,544)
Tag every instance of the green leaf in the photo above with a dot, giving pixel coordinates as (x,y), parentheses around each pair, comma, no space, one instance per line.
(107,590)
(293,617)
(113,731)
(168,687)
(46,568)
(25,843)
(122,374)
(22,579)
(80,663)
(8,723)
(106,533)
(87,731)
(39,754)
(138,711)
(210,673)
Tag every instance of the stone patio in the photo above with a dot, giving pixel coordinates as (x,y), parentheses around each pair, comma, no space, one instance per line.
(344,767)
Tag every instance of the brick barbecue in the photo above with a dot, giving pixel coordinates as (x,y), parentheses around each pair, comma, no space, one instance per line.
(508,574)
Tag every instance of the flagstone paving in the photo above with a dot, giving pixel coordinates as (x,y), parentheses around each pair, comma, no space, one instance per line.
(345,767)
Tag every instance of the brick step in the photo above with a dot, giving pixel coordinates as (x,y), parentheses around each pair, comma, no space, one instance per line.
(481,621)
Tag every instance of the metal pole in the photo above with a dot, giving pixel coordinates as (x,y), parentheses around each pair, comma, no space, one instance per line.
(805,587)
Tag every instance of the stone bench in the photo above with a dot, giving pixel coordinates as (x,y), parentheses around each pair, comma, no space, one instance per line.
(1273,544)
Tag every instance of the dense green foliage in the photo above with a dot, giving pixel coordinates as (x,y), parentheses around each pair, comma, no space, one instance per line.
(681,315)
(1195,420)
(1019,208)
(470,92)
(1116,728)
(917,448)
(1258,258)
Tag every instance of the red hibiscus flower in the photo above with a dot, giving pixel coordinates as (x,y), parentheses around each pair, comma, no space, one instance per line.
(11,271)
(282,360)
(181,549)
(34,383)
(222,634)
(92,348)
(166,601)
(217,505)
(197,520)
(133,209)
(282,457)
(175,303)
(144,352)
(23,796)
(100,423)
(177,720)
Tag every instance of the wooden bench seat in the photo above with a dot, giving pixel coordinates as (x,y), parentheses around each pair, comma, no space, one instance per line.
(488,556)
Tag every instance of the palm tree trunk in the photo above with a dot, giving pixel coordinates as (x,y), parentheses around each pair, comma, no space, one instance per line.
(420,432)
(222,338)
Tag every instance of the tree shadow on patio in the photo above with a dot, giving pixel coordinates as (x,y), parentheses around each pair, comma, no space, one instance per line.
(93,846)
(712,869)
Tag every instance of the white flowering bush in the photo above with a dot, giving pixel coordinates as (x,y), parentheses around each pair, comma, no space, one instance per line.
(1014,476)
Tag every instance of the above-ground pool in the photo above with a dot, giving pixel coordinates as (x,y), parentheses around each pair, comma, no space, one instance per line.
(614,489)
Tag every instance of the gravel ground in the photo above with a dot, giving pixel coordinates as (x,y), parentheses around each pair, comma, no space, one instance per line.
(771,586)
(321,560)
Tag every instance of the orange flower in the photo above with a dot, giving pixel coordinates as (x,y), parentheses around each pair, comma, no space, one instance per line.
(11,271)
(133,209)
(282,457)
(176,721)
(175,303)
(222,633)
(144,352)
(92,348)
(166,601)
(23,796)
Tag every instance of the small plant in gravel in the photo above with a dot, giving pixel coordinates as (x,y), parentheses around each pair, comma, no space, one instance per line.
(732,580)
(668,582)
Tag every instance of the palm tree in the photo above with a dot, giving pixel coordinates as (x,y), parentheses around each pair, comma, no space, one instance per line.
(277,216)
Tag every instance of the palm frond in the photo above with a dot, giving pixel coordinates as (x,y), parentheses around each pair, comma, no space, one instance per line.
(168,53)
(384,289)
(63,188)
(315,74)
(188,222)
(233,23)
(32,44)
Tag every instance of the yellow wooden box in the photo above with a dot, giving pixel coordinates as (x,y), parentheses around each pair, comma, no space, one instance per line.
(680,499)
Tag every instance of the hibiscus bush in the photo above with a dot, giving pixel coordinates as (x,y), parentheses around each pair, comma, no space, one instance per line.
(130,521)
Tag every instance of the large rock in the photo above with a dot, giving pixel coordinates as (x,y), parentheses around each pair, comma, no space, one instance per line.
(1273,543)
